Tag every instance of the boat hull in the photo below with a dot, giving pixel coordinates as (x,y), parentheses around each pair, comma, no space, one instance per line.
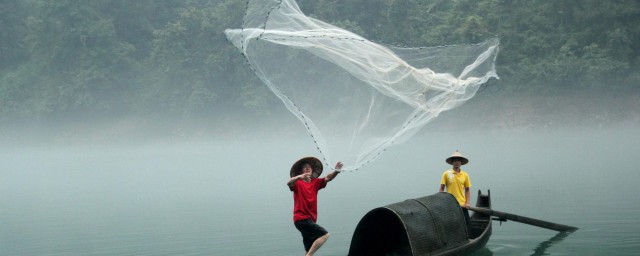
(431,225)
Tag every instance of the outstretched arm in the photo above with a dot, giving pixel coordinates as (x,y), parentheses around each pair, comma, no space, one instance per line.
(333,174)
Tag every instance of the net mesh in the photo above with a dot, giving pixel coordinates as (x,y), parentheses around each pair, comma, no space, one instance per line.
(355,97)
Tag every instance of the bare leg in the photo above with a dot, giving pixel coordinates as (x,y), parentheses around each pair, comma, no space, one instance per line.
(317,244)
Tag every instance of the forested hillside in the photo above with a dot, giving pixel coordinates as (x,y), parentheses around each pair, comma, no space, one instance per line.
(70,60)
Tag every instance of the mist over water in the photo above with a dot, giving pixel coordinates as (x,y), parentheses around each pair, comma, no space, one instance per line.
(228,196)
(141,135)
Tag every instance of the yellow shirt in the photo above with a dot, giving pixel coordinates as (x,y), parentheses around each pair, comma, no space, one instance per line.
(456,183)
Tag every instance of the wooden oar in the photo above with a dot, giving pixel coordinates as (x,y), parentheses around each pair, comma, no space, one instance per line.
(522,219)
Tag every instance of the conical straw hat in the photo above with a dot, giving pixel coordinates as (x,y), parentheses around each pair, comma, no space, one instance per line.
(314,162)
(459,156)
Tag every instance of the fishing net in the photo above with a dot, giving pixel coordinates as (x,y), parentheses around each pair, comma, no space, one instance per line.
(355,97)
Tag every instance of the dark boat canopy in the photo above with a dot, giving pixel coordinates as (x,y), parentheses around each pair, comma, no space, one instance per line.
(421,226)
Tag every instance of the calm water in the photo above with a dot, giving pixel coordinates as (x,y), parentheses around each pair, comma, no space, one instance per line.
(228,197)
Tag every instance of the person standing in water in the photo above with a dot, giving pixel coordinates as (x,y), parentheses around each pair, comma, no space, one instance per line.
(305,184)
(457,182)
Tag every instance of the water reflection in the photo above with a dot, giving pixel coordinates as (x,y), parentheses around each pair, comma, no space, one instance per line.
(540,250)
(484,251)
(542,247)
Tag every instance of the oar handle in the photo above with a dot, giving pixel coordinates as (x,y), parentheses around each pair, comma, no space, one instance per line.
(523,219)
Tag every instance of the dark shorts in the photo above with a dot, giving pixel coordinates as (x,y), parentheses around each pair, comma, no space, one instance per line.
(310,232)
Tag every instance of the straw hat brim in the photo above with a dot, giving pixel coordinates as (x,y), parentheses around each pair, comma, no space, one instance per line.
(316,164)
(463,160)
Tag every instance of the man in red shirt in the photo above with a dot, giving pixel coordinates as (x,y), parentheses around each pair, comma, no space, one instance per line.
(305,185)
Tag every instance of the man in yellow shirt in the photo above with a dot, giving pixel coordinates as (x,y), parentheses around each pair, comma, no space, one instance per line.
(457,182)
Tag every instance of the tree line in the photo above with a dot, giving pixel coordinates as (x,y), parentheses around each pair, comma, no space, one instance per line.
(74,58)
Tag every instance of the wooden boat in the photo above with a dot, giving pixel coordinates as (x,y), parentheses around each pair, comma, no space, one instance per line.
(431,225)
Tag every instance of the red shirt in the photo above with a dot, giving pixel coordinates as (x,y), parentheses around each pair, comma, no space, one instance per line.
(305,199)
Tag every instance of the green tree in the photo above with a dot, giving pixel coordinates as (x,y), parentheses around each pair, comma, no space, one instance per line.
(81,61)
(66,57)
(12,15)
(192,63)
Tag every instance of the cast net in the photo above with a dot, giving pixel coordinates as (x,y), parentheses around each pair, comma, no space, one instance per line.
(356,98)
